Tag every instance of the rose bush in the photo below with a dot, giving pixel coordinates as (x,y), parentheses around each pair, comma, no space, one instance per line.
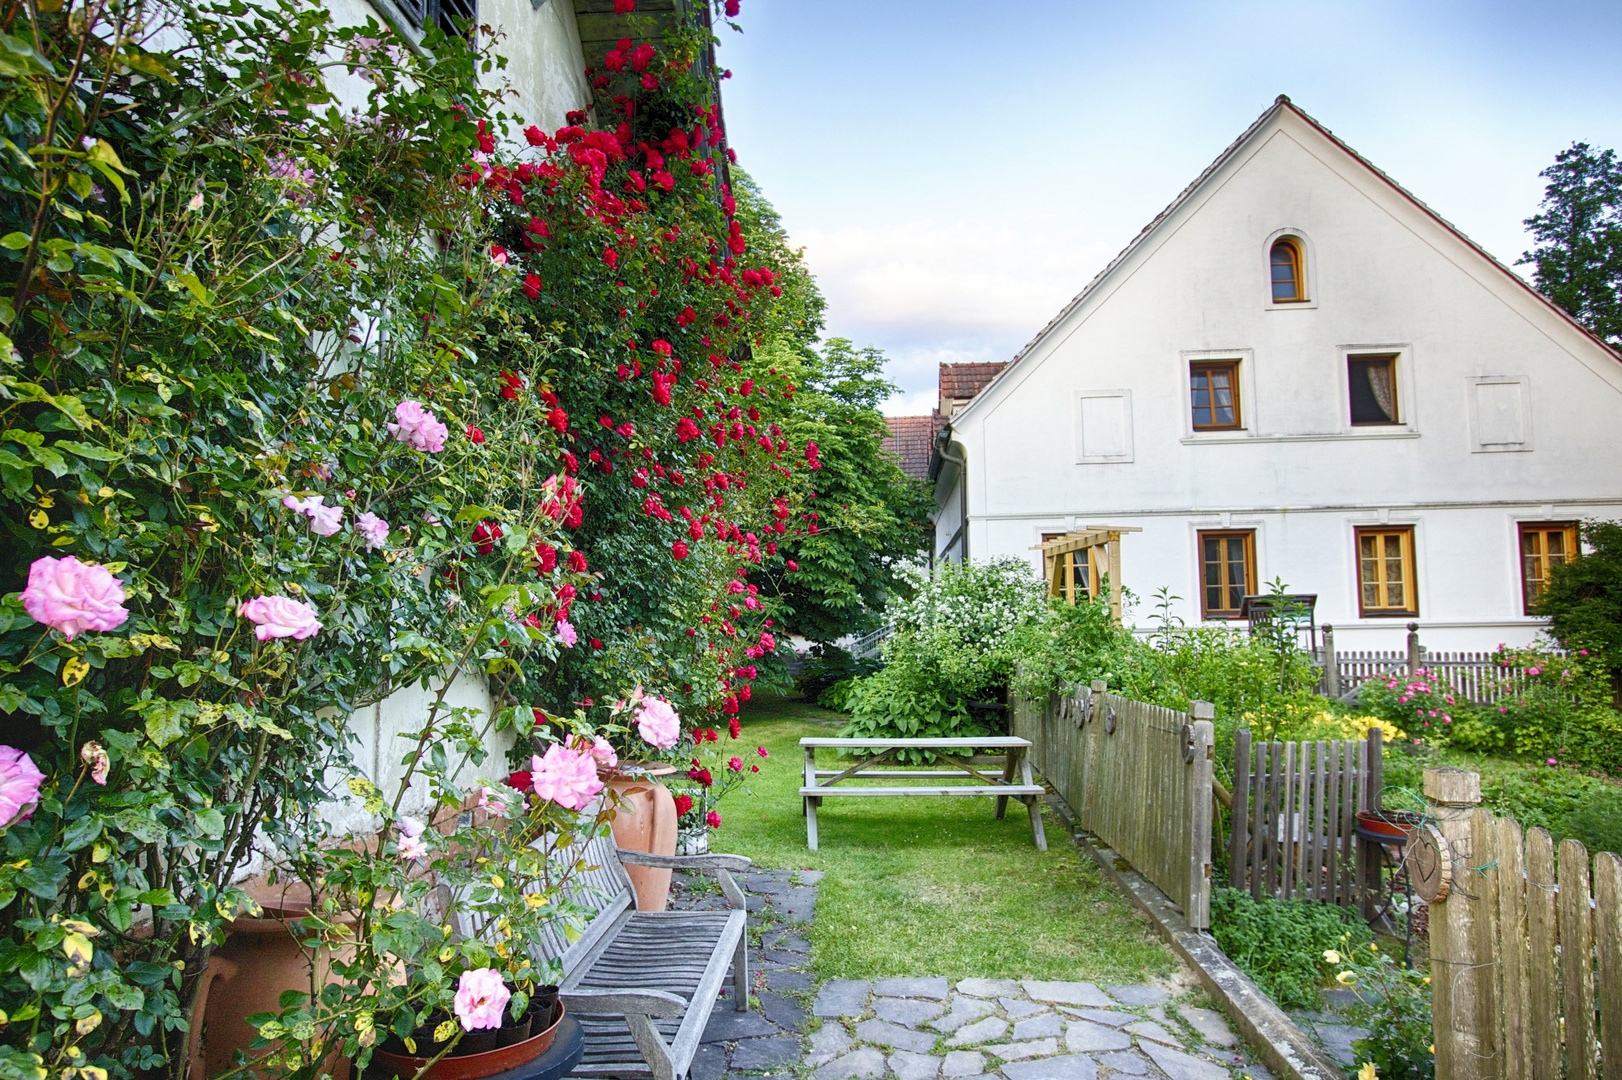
(259,468)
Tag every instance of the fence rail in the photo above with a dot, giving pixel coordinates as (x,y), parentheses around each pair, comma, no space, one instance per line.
(1477,677)
(1137,776)
(1294,824)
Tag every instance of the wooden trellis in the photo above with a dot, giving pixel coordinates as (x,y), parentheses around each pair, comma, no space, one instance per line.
(1082,560)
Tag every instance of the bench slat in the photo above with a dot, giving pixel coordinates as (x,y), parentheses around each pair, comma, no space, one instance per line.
(966,789)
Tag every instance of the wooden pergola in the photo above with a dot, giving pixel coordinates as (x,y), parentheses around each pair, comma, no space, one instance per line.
(1092,554)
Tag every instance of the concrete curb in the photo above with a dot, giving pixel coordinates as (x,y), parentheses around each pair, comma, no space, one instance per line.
(1285,1048)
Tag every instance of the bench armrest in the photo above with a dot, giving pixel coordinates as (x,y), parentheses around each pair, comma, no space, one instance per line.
(685,862)
(658,1004)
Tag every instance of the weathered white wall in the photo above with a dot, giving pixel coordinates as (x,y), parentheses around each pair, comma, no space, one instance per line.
(1384,277)
(546,72)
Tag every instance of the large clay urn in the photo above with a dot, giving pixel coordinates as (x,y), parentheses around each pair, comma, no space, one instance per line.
(247,974)
(646,821)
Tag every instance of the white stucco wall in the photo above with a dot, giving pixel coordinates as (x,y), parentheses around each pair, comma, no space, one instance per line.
(546,74)
(1384,277)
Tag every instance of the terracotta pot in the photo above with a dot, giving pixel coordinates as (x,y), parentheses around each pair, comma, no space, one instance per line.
(1387,826)
(646,821)
(247,974)
(467,1066)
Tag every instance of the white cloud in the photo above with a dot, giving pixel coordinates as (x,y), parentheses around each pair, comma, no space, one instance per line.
(916,403)
(972,281)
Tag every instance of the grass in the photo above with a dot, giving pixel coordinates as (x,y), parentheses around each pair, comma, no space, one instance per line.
(931,886)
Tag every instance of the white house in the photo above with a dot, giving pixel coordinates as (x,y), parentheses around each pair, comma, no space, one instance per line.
(1299,371)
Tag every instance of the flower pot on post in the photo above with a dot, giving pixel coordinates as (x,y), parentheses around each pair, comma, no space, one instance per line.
(646,822)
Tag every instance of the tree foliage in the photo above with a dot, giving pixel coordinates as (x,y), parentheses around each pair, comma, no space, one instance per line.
(1583,598)
(1578,257)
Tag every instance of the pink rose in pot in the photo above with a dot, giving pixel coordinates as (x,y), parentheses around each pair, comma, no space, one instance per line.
(68,595)
(279,616)
(19,785)
(481,998)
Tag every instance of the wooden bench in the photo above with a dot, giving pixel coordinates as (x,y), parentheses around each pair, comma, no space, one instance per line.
(643,983)
(959,752)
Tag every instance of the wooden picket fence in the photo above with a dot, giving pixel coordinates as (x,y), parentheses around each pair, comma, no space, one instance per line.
(1137,776)
(1475,676)
(1526,954)
(1293,821)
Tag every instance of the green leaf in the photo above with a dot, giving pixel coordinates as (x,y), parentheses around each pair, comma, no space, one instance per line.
(165,724)
(15,241)
(211,822)
(195,287)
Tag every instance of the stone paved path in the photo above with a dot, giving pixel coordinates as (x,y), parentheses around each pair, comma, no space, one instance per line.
(927,1028)
(1332,1028)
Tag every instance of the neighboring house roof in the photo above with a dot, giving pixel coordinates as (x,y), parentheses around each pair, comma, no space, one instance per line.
(962,381)
(911,441)
(1280,103)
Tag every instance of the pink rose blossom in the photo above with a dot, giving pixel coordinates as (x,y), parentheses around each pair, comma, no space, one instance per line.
(68,595)
(19,786)
(326,520)
(418,428)
(92,754)
(713,819)
(566,777)
(735,764)
(279,617)
(492,802)
(411,844)
(373,529)
(657,723)
(481,997)
(567,634)
(603,752)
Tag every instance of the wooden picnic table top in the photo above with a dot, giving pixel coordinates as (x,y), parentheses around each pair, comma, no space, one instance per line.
(1009,741)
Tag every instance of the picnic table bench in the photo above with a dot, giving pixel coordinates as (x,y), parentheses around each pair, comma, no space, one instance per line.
(819,783)
(643,983)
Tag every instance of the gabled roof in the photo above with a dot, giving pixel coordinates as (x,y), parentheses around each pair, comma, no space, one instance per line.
(1281,103)
(911,440)
(966,380)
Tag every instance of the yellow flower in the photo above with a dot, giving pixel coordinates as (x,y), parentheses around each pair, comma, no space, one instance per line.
(1346,978)
(1367,1072)
(1331,956)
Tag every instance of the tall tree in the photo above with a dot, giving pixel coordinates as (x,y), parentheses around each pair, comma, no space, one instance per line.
(1578,257)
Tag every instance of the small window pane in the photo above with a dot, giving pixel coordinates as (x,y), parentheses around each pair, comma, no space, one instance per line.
(1385,571)
(1214,395)
(1372,386)
(1286,260)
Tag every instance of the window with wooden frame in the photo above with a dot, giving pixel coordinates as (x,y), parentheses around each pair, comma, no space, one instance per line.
(1544,545)
(1385,572)
(1227,572)
(454,17)
(1081,576)
(1371,383)
(1214,394)
(1289,271)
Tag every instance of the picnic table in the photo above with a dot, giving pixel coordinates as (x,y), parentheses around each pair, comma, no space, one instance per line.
(819,783)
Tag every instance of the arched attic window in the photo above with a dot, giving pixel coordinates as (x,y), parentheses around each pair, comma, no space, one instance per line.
(1289,271)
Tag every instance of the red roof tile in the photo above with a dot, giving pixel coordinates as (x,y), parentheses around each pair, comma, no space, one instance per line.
(966,380)
(911,440)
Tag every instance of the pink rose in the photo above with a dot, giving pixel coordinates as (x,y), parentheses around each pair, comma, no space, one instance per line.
(19,785)
(418,428)
(93,755)
(68,595)
(278,617)
(713,819)
(481,997)
(324,520)
(567,634)
(411,843)
(492,802)
(566,777)
(603,752)
(657,723)
(373,529)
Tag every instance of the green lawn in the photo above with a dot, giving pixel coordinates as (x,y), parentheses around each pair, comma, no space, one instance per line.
(931,885)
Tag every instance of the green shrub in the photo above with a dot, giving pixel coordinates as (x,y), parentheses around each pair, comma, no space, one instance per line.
(1280,944)
(959,632)
(837,696)
(1394,1001)
(1596,820)
(827,665)
(1583,598)
(901,702)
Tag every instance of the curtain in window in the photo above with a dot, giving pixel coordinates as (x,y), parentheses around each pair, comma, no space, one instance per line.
(1383,389)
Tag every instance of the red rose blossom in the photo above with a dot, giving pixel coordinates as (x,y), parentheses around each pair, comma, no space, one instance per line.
(684,803)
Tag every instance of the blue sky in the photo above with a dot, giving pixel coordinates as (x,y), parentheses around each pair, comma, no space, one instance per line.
(956,171)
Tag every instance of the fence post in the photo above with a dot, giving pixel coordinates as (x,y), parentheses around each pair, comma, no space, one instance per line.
(1239,815)
(1456,980)
(1331,664)
(1413,647)
(1202,754)
(1368,852)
